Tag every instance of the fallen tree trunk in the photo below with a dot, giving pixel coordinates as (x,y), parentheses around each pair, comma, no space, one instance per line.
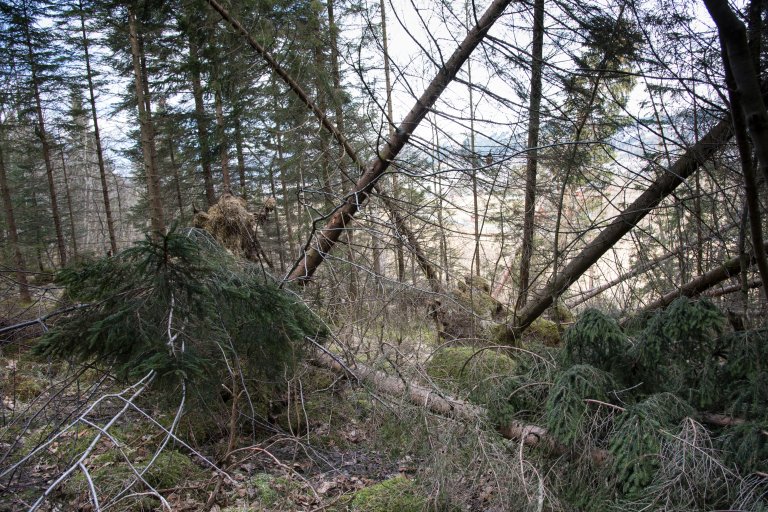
(530,435)
(688,163)
(755,283)
(640,269)
(696,286)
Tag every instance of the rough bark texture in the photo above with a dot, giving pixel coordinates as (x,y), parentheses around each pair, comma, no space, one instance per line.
(532,160)
(733,35)
(13,236)
(685,166)
(703,282)
(147,132)
(97,134)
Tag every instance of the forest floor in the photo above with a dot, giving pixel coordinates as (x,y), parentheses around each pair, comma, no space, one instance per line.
(326,443)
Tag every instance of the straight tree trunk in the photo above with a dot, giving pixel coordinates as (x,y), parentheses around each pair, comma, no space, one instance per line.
(147,131)
(201,121)
(73,231)
(532,156)
(221,138)
(241,156)
(399,255)
(41,133)
(97,134)
(13,234)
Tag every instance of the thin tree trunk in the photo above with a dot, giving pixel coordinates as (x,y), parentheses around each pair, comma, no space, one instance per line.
(41,132)
(638,270)
(280,244)
(221,138)
(703,282)
(97,134)
(73,231)
(147,132)
(532,156)
(176,176)
(241,157)
(201,121)
(13,234)
(399,255)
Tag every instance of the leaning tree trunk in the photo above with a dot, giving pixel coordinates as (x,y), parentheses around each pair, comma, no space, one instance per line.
(638,270)
(700,284)
(688,163)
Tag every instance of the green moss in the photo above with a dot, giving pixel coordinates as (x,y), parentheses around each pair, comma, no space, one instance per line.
(263,485)
(170,469)
(394,494)
(543,331)
(469,370)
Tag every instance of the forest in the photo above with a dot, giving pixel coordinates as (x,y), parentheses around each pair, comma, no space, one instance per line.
(383,255)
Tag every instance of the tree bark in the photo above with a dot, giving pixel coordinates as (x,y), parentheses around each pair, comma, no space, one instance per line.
(97,134)
(703,282)
(638,270)
(688,163)
(13,234)
(532,157)
(41,133)
(747,169)
(733,35)
(147,131)
(201,121)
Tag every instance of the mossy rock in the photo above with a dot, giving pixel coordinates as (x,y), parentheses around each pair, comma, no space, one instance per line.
(543,331)
(397,493)
(469,370)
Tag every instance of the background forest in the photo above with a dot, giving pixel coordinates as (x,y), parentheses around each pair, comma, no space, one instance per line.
(351,255)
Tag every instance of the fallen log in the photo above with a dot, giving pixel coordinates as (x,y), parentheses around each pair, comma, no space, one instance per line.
(439,403)
(434,401)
